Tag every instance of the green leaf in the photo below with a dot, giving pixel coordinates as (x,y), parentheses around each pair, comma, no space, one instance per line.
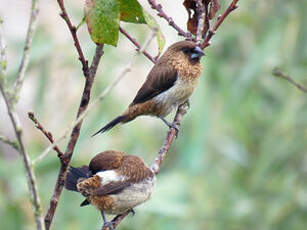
(102,18)
(152,23)
(131,11)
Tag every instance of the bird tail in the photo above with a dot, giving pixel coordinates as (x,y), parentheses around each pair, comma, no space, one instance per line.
(111,124)
(73,176)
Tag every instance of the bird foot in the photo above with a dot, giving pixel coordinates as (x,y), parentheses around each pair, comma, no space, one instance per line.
(187,104)
(132,212)
(173,125)
(108,226)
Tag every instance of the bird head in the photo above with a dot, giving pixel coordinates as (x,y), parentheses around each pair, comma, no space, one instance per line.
(188,50)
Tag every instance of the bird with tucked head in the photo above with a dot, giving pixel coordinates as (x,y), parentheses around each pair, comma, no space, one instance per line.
(113,182)
(170,83)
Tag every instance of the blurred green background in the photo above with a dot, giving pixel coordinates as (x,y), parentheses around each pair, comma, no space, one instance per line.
(239,161)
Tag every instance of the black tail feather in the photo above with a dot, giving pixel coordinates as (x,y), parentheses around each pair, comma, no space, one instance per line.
(111,124)
(84,203)
(74,174)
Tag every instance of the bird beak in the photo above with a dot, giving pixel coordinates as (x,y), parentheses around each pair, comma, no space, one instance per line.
(197,53)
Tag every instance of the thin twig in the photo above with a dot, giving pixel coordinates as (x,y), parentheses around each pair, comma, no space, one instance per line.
(170,21)
(124,32)
(27,163)
(171,135)
(58,188)
(26,50)
(200,21)
(231,7)
(278,73)
(39,126)
(73,31)
(32,184)
(13,144)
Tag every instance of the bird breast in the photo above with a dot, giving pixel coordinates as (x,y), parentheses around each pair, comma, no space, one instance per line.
(132,196)
(176,95)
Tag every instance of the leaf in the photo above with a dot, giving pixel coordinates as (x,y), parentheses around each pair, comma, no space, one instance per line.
(131,11)
(152,23)
(102,18)
(190,5)
(214,7)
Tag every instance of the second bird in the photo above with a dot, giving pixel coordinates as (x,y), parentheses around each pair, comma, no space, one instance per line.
(170,83)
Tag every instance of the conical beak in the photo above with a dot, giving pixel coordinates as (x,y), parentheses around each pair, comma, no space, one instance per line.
(197,53)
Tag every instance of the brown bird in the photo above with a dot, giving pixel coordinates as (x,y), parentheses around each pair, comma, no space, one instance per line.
(113,182)
(170,83)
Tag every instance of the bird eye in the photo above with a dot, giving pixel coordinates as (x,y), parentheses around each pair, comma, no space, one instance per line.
(187,50)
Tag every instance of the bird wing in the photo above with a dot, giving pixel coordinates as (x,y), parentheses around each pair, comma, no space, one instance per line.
(111,188)
(160,79)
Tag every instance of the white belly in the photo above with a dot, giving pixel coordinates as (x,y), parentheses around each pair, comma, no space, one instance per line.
(176,95)
(133,196)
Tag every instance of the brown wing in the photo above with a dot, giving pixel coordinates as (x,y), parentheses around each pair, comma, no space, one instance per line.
(160,79)
(111,188)
(106,160)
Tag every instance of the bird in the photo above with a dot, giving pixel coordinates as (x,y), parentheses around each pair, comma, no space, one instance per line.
(170,83)
(113,182)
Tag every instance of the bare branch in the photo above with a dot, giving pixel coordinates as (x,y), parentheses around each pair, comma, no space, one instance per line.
(170,21)
(73,31)
(27,163)
(231,7)
(39,126)
(73,137)
(172,133)
(32,184)
(26,50)
(13,144)
(124,32)
(278,73)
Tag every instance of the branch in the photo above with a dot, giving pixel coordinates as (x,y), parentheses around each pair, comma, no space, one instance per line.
(26,50)
(13,144)
(278,73)
(46,133)
(172,133)
(170,21)
(124,32)
(233,5)
(27,163)
(73,31)
(32,184)
(73,137)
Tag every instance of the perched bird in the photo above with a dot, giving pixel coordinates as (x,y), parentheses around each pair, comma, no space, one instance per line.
(170,83)
(113,182)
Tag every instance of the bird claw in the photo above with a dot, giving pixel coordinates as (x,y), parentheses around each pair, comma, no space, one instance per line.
(132,211)
(108,226)
(187,104)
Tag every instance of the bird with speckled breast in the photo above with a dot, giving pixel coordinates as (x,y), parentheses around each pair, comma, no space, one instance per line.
(170,83)
(113,182)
